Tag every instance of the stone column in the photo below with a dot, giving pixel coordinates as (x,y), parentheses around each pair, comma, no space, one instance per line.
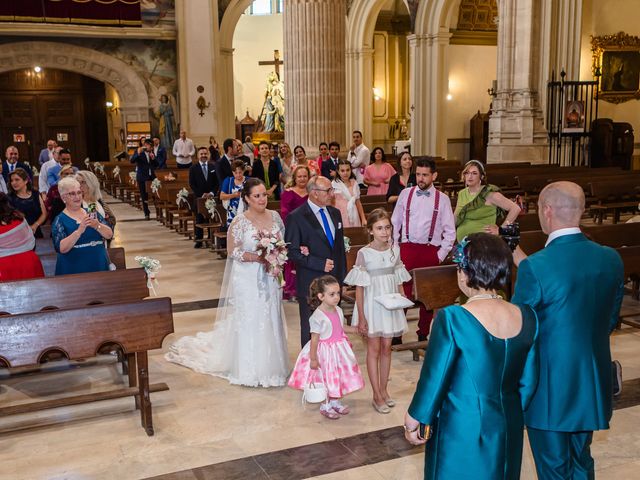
(314,64)
(360,93)
(516,128)
(197,58)
(427,92)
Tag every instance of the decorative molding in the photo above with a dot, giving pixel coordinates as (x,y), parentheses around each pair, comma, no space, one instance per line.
(80,31)
(627,49)
(478,15)
(479,37)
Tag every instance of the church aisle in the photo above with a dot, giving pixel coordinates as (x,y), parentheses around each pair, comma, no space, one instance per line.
(204,422)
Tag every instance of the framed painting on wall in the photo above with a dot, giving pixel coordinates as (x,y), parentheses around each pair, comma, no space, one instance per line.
(616,64)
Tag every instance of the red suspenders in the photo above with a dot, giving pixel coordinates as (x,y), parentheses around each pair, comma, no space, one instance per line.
(436,207)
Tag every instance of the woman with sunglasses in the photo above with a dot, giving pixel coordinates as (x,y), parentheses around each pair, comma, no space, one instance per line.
(79,234)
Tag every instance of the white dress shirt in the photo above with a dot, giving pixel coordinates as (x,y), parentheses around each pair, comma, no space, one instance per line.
(359,159)
(316,211)
(43,184)
(561,232)
(183,151)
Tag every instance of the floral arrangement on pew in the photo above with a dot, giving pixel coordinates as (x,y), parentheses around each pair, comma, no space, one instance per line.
(87,163)
(182,197)
(34,170)
(210,205)
(132,178)
(151,266)
(155,186)
(99,168)
(347,244)
(116,173)
(170,177)
(272,249)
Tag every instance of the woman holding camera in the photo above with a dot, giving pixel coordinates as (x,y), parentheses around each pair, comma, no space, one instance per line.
(79,235)
(478,203)
(479,373)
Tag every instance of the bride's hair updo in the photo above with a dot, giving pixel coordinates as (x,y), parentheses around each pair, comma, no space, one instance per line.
(318,286)
(249,185)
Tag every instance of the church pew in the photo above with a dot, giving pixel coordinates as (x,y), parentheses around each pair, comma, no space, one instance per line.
(116,255)
(357,235)
(80,333)
(436,287)
(212,226)
(614,196)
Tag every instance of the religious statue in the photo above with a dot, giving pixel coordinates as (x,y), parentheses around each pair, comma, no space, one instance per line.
(167,124)
(272,115)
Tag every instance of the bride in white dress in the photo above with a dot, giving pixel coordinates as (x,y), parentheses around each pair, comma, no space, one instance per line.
(247,345)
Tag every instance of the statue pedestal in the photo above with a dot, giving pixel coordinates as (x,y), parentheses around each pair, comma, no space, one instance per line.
(269,137)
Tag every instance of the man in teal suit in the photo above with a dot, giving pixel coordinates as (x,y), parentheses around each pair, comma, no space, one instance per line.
(576,288)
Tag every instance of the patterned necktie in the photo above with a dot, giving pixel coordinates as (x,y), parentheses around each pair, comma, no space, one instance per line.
(327,228)
(204,170)
(421,193)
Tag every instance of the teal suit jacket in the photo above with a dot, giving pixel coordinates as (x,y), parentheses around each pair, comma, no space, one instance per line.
(576,288)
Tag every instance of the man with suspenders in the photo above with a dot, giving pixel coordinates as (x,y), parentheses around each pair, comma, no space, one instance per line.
(424,227)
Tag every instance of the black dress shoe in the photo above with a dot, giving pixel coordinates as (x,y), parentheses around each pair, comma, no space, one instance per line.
(147,217)
(197,245)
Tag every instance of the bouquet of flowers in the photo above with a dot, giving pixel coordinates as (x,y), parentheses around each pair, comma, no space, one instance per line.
(132,178)
(87,162)
(98,167)
(347,244)
(35,170)
(155,186)
(116,172)
(151,266)
(182,196)
(272,249)
(210,205)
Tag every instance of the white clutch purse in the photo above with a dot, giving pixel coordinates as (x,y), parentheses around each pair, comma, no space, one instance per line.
(393,301)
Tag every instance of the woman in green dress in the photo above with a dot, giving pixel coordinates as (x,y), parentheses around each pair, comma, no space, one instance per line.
(480,371)
(478,203)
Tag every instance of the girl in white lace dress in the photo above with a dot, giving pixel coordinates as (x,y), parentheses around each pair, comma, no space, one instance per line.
(247,345)
(378,270)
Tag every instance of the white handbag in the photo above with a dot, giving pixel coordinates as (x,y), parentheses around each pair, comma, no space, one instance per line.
(394,301)
(314,392)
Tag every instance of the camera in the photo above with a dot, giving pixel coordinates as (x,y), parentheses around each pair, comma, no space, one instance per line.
(510,234)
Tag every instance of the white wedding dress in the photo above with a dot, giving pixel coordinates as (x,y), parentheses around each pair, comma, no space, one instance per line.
(247,345)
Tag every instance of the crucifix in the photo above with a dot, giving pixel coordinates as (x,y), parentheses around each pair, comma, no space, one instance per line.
(276,62)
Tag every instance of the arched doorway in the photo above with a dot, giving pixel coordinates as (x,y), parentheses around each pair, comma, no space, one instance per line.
(122,82)
(53,104)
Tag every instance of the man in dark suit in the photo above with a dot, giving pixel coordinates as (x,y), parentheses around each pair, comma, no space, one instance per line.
(146,164)
(204,184)
(223,166)
(576,288)
(317,226)
(329,167)
(160,152)
(12,162)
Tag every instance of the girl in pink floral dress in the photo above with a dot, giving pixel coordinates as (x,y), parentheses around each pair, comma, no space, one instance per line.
(328,355)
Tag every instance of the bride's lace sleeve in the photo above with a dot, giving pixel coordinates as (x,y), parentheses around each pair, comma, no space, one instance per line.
(235,236)
(280,224)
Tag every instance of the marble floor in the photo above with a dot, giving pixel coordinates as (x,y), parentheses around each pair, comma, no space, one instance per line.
(206,429)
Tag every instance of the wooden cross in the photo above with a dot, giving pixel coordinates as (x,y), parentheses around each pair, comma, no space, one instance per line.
(276,62)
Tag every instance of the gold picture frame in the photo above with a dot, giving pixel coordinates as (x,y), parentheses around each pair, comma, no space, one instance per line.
(616,65)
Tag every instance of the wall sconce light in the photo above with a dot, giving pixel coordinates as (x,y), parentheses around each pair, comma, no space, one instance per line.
(37,69)
(449,97)
(201,103)
(110,107)
(377,95)
(493,91)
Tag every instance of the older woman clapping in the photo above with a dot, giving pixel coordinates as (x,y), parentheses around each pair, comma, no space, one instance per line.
(78,235)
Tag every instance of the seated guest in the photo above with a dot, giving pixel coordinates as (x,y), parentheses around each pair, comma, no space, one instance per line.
(232,190)
(78,236)
(27,201)
(479,373)
(18,261)
(91,194)
(266,169)
(406,177)
(53,202)
(478,203)
(53,173)
(378,173)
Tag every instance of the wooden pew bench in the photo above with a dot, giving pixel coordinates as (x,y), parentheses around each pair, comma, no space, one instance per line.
(80,333)
(116,255)
(614,196)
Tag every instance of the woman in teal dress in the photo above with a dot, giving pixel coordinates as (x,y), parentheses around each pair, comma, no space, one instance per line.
(479,373)
(78,235)
(478,203)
